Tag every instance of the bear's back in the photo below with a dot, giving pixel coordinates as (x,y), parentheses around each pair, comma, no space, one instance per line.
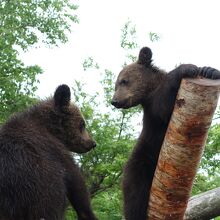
(30,169)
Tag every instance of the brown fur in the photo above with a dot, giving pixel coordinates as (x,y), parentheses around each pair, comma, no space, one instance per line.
(142,83)
(37,171)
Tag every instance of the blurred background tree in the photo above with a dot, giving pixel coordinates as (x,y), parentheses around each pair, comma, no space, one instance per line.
(24,24)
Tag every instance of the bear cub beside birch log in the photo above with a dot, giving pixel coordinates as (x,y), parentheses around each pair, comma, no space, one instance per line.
(143,83)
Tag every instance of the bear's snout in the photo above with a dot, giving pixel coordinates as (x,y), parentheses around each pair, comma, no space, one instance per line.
(90,145)
(93,144)
(115,103)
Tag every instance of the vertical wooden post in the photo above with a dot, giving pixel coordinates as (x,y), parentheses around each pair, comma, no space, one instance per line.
(182,148)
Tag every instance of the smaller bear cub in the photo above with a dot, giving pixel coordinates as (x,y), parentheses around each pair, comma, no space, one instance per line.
(37,172)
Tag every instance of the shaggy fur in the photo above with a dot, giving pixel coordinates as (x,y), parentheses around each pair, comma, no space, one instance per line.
(142,83)
(37,171)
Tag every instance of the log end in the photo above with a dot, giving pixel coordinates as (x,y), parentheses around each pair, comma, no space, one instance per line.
(204,81)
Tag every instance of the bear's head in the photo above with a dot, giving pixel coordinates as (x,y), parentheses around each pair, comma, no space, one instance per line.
(136,81)
(69,125)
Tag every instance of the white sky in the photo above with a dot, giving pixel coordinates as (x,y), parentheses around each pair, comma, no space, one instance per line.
(189,32)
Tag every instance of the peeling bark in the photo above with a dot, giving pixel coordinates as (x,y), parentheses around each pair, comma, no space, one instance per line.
(182,148)
(204,206)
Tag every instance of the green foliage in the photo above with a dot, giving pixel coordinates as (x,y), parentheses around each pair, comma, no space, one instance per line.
(113,206)
(18,83)
(154,36)
(70,214)
(211,158)
(128,37)
(208,176)
(25,23)
(88,63)
(129,41)
(112,129)
(114,137)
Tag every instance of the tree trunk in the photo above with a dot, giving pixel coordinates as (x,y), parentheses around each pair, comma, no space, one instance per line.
(204,206)
(182,148)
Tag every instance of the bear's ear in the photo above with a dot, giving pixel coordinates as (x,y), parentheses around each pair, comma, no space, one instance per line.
(62,96)
(145,56)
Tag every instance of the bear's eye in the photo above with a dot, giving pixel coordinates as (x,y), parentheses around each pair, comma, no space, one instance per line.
(82,126)
(123,82)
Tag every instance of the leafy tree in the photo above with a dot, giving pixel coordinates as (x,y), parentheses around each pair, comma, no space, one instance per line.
(154,36)
(23,24)
(208,176)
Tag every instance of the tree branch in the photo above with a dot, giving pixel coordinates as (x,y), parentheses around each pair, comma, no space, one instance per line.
(204,206)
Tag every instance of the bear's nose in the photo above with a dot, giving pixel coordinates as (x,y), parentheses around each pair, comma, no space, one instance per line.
(114,102)
(93,144)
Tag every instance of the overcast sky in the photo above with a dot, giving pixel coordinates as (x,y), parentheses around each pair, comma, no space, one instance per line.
(189,32)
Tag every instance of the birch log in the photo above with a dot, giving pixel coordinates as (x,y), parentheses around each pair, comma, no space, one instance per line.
(182,148)
(204,206)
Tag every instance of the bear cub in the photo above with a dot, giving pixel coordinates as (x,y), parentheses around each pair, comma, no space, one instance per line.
(143,83)
(37,172)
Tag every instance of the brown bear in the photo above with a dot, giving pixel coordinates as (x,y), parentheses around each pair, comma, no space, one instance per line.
(143,83)
(37,172)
